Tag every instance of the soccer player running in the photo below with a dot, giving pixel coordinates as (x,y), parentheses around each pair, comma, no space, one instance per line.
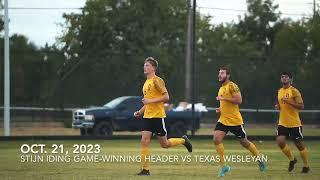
(289,103)
(155,94)
(230,119)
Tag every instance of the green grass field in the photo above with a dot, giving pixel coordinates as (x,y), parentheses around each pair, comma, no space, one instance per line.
(12,168)
(207,129)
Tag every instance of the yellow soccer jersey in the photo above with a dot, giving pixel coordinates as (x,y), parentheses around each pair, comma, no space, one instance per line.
(154,88)
(289,116)
(229,112)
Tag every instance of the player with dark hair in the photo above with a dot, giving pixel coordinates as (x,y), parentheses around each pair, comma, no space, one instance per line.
(289,102)
(230,119)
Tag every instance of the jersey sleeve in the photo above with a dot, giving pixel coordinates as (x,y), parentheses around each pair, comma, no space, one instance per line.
(234,89)
(297,95)
(160,85)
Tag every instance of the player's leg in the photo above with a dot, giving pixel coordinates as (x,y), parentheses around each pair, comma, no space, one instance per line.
(250,146)
(161,133)
(282,134)
(146,135)
(167,143)
(240,133)
(145,152)
(296,134)
(304,155)
(218,136)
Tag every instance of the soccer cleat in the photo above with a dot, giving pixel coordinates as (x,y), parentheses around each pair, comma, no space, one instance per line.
(262,166)
(187,143)
(223,170)
(144,172)
(291,164)
(305,170)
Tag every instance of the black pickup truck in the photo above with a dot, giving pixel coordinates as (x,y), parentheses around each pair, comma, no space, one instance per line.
(117,115)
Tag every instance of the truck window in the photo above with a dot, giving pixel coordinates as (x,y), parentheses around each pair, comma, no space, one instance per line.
(132,104)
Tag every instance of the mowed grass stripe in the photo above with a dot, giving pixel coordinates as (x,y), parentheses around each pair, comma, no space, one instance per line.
(11,168)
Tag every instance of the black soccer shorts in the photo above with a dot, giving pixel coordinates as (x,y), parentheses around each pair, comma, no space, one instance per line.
(238,131)
(155,125)
(294,133)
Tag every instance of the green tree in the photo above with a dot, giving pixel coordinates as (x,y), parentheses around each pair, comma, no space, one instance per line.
(261,23)
(33,71)
(107,43)
(221,45)
(1,19)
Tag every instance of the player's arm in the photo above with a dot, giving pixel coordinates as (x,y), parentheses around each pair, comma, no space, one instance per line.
(296,105)
(235,99)
(140,112)
(297,100)
(163,98)
(160,86)
(276,104)
(142,109)
(236,95)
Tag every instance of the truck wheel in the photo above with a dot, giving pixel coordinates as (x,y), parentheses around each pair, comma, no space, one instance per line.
(178,129)
(103,129)
(86,132)
(83,132)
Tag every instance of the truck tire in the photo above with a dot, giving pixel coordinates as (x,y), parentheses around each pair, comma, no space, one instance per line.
(83,132)
(86,132)
(177,129)
(103,129)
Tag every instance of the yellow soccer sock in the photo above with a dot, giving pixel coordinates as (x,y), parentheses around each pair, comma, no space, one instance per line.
(220,151)
(176,141)
(253,149)
(286,150)
(304,154)
(145,152)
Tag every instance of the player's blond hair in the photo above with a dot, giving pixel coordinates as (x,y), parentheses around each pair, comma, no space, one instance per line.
(152,61)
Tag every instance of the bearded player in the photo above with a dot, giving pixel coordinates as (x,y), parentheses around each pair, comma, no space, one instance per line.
(230,119)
